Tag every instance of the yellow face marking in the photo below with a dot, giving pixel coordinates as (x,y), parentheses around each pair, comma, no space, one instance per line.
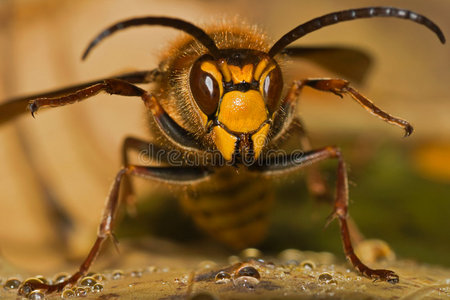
(242,112)
(223,66)
(259,139)
(239,75)
(224,141)
(212,70)
(260,68)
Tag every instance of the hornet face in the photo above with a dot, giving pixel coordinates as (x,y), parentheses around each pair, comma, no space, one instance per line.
(237,96)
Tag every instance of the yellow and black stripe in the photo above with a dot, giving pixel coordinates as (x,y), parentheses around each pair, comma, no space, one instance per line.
(233,207)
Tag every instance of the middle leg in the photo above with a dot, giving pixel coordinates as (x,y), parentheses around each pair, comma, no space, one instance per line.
(314,178)
(149,153)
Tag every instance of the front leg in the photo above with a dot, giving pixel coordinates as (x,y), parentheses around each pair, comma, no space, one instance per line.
(289,163)
(12,108)
(174,132)
(338,87)
(170,175)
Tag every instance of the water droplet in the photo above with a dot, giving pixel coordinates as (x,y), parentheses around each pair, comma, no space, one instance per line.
(136,273)
(117,274)
(308,265)
(151,269)
(97,288)
(292,263)
(248,271)
(270,265)
(251,253)
(247,277)
(325,277)
(99,277)
(291,254)
(67,293)
(247,282)
(81,292)
(42,279)
(27,286)
(36,295)
(88,281)
(233,259)
(60,277)
(11,284)
(223,277)
(207,264)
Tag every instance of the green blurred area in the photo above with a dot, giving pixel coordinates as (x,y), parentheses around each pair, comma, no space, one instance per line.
(389,200)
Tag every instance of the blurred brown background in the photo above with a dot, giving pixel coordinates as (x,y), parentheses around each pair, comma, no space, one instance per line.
(70,155)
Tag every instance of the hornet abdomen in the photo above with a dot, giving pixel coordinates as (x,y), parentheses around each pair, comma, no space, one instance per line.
(233,207)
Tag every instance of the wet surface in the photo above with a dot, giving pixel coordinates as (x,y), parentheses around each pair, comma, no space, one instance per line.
(293,274)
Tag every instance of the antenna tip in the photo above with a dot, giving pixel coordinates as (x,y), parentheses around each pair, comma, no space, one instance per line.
(86,52)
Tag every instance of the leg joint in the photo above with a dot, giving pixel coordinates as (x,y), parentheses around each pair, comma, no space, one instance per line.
(334,151)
